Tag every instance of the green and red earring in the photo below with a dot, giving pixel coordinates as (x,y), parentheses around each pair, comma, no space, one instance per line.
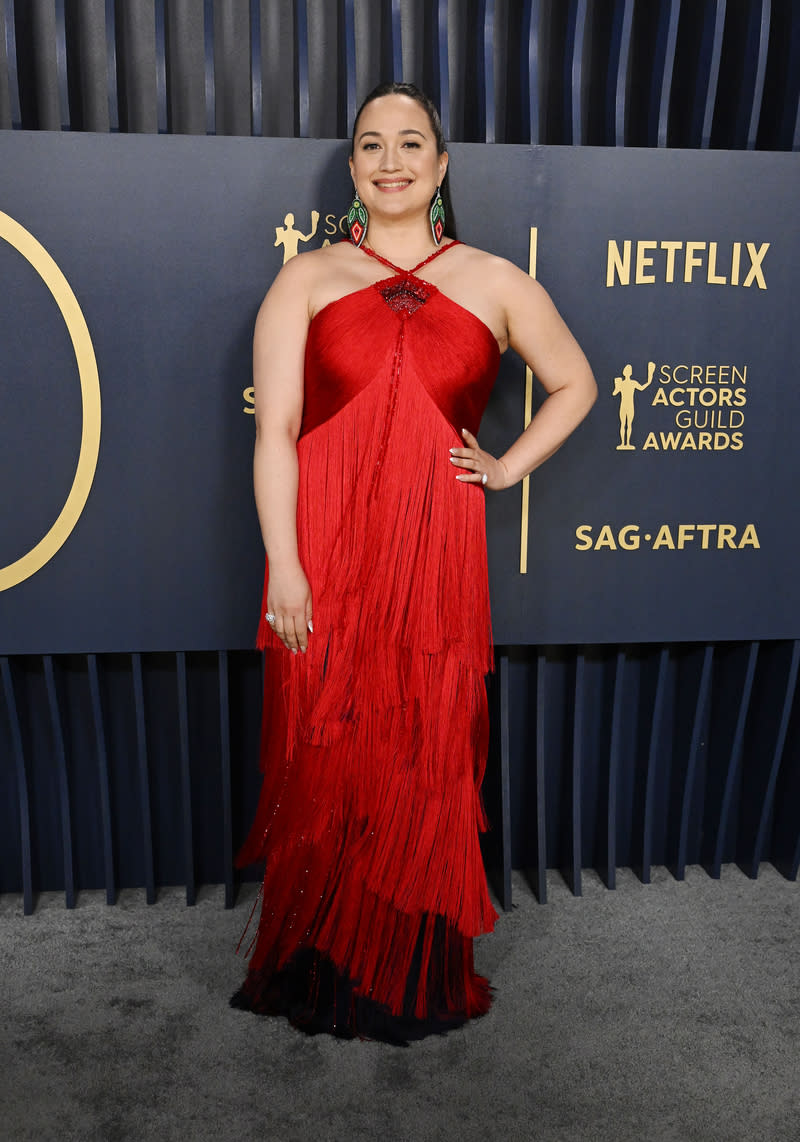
(357,220)
(437,216)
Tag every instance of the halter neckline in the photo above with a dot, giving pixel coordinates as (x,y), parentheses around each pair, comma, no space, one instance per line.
(398,269)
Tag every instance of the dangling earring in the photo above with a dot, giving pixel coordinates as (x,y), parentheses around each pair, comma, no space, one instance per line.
(437,216)
(357,220)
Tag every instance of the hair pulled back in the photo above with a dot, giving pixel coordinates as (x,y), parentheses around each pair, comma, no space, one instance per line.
(425,101)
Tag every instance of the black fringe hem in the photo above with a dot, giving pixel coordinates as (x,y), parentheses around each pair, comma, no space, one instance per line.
(318,999)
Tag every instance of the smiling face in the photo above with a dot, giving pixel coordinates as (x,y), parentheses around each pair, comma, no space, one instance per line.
(396,165)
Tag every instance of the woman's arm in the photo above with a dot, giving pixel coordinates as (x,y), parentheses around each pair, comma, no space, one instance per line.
(278,351)
(538,333)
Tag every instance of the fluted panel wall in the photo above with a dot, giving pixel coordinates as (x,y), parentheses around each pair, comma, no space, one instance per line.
(123,770)
(140,769)
(678,73)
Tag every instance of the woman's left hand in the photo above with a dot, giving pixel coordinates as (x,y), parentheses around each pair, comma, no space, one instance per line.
(479,467)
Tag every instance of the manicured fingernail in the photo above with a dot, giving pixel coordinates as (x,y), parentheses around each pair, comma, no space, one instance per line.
(453,460)
(463,432)
(310,626)
(452,449)
(294,650)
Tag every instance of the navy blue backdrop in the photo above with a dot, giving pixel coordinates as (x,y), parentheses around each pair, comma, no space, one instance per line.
(658,520)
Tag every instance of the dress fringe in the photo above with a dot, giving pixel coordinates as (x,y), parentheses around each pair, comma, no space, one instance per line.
(374,742)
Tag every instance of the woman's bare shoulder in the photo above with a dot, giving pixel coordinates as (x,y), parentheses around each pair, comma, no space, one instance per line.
(305,271)
(299,279)
(477,256)
(499,275)
(486,262)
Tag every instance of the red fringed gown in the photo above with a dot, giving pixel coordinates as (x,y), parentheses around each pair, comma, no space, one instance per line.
(374,742)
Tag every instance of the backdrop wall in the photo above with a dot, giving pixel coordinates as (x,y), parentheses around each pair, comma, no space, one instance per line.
(137,768)
(133,269)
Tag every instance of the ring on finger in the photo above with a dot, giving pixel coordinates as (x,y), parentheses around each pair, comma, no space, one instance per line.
(485,478)
(269,617)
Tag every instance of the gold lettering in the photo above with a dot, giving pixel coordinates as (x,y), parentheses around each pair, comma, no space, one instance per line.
(629,537)
(250,398)
(756,258)
(664,538)
(685,534)
(696,255)
(705,530)
(735,258)
(691,260)
(740,374)
(583,534)
(661,396)
(726,535)
(713,277)
(605,538)
(618,263)
(643,262)
(671,248)
(650,442)
(749,537)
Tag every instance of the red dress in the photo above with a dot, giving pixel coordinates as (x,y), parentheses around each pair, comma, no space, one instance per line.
(374,742)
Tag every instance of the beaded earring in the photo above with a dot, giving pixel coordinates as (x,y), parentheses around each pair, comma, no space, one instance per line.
(357,220)
(437,216)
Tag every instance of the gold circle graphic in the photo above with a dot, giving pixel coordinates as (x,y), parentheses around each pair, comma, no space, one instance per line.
(33,252)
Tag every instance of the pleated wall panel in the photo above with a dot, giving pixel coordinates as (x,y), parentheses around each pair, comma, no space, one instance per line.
(601,72)
(141,770)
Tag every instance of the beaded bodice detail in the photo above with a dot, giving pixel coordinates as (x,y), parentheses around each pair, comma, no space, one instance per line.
(405,292)
(405,296)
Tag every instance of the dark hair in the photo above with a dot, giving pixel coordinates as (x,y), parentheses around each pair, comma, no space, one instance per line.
(413,92)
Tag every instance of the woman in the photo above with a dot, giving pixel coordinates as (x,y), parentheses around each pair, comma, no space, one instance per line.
(373,366)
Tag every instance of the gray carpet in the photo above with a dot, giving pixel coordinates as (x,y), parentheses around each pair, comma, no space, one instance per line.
(661,1013)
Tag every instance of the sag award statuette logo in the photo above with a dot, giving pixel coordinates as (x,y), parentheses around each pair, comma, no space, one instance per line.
(626,387)
(289,237)
(36,255)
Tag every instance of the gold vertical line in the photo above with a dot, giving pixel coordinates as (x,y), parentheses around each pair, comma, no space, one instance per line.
(526,483)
